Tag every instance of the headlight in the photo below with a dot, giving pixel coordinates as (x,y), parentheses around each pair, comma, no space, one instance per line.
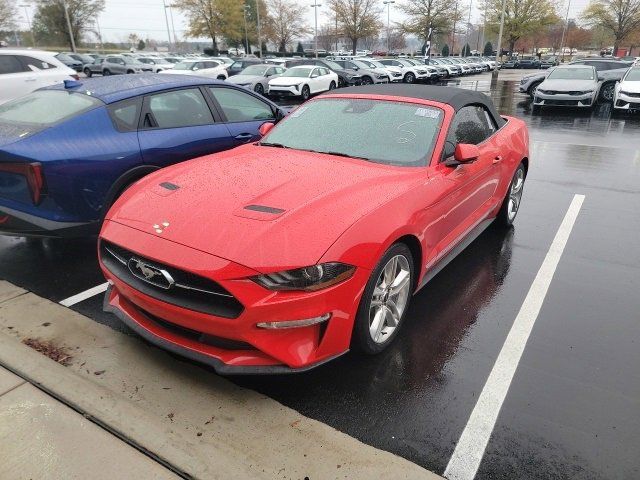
(310,279)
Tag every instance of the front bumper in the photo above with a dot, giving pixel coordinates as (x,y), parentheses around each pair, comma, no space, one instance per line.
(284,91)
(232,345)
(564,100)
(626,102)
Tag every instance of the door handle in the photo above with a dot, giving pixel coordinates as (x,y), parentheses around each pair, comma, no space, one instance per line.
(497,159)
(32,79)
(244,136)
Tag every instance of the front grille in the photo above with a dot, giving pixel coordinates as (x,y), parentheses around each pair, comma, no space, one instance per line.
(196,336)
(169,284)
(568,103)
(630,94)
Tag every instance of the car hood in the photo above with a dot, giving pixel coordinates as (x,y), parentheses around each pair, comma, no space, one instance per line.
(567,85)
(287,80)
(173,71)
(262,207)
(631,86)
(238,79)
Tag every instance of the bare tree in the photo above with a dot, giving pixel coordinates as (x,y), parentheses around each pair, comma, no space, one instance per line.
(50,22)
(357,18)
(7,15)
(521,17)
(326,36)
(213,18)
(422,15)
(287,22)
(620,17)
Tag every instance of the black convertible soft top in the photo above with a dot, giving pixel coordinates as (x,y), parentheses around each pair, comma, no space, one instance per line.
(456,97)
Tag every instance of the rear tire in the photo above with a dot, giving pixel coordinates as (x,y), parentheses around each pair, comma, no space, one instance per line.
(532,88)
(382,311)
(130,72)
(259,89)
(367,80)
(221,77)
(511,203)
(409,78)
(332,86)
(607,92)
(106,72)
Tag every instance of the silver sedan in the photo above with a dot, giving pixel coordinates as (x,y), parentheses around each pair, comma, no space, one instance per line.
(256,77)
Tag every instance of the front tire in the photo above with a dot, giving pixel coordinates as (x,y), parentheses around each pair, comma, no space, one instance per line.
(532,89)
(87,72)
(305,93)
(259,89)
(409,78)
(607,91)
(385,301)
(106,73)
(511,203)
(332,85)
(221,77)
(367,80)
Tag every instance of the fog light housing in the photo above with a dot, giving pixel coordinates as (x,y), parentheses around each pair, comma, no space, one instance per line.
(306,322)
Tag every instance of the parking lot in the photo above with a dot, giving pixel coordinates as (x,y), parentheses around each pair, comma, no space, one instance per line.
(571,410)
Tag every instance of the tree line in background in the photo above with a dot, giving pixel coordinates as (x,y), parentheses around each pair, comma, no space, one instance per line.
(528,24)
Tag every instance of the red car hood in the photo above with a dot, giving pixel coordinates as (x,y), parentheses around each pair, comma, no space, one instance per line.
(263,207)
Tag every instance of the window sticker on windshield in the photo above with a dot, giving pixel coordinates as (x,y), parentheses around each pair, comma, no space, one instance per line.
(297,112)
(427,112)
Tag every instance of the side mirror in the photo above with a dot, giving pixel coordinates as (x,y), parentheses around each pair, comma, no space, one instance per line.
(195,68)
(466,152)
(265,128)
(314,75)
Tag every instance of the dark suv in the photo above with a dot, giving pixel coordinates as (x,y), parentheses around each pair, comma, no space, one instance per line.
(346,76)
(236,67)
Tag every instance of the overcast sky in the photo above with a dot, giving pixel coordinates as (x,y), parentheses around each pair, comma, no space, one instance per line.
(146,17)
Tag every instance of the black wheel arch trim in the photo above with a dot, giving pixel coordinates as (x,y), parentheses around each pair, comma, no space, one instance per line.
(123,181)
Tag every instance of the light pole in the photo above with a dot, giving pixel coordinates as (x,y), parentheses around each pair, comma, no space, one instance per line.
(259,31)
(173,27)
(166,20)
(246,35)
(564,30)
(26,13)
(388,4)
(494,74)
(315,6)
(99,32)
(66,14)
(466,35)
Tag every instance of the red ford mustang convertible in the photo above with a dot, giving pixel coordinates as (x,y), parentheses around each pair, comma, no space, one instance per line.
(284,254)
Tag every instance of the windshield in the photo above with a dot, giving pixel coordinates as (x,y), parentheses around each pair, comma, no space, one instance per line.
(332,65)
(392,133)
(361,64)
(298,72)
(65,58)
(46,107)
(633,75)
(255,70)
(146,60)
(130,61)
(184,66)
(172,60)
(571,73)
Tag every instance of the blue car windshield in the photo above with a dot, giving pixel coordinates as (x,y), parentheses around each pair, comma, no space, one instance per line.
(392,133)
(46,107)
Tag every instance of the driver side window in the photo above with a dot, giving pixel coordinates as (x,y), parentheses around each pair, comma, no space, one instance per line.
(471,125)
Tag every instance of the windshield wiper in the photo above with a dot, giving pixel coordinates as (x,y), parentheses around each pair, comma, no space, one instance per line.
(342,154)
(275,145)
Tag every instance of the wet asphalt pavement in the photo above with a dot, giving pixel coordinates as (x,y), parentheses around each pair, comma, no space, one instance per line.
(573,407)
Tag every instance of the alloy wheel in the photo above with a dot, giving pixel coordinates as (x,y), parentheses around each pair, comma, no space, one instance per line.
(515,194)
(607,92)
(409,78)
(390,298)
(259,89)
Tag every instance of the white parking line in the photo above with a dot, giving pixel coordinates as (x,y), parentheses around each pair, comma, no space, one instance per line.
(469,451)
(67,302)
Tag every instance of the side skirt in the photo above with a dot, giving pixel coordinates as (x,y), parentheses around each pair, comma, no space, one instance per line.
(464,243)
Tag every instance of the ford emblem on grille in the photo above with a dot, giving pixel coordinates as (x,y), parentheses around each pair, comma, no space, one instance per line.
(150,274)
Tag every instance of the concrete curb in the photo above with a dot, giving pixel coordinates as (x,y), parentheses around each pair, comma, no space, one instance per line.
(186,417)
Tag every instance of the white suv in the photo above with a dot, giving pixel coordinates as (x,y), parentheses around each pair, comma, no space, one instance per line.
(23,71)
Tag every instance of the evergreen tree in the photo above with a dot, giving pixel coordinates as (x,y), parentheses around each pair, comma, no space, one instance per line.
(445,50)
(488,50)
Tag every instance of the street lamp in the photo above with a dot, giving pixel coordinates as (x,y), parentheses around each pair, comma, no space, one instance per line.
(246,35)
(259,31)
(166,20)
(494,74)
(315,6)
(173,27)
(66,14)
(564,31)
(26,13)
(388,4)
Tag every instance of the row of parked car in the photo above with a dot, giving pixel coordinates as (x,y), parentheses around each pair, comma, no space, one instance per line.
(582,82)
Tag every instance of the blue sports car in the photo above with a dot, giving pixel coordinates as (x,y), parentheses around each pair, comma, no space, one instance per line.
(68,151)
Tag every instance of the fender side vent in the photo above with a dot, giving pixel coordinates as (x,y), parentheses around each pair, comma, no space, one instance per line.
(169,186)
(264,209)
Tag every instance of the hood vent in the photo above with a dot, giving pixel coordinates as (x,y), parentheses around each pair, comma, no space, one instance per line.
(264,209)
